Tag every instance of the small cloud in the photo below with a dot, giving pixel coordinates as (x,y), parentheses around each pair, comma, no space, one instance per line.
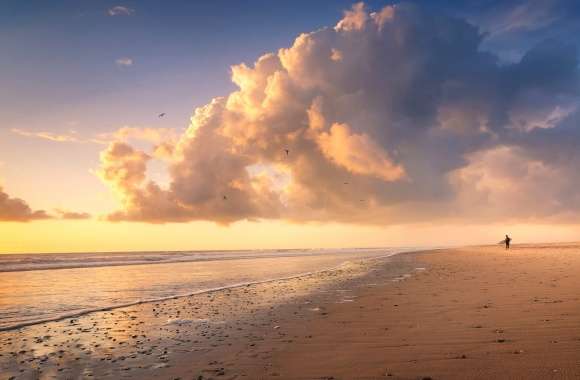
(124,62)
(14,209)
(120,10)
(70,137)
(336,55)
(147,134)
(17,210)
(525,16)
(72,215)
(154,135)
(47,135)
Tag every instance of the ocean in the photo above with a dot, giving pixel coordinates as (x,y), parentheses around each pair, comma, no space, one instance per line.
(36,288)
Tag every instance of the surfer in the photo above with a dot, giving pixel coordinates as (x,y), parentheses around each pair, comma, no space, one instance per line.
(507,241)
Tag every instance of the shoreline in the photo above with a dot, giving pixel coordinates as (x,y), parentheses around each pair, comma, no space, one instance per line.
(178,296)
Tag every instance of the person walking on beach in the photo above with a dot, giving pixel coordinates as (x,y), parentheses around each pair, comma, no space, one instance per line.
(507,241)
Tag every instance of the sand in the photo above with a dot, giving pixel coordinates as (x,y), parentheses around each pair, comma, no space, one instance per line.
(468,313)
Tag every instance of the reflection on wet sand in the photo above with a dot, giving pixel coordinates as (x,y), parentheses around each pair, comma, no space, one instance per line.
(150,339)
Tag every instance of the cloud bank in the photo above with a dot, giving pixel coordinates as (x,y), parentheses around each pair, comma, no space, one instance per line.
(389,117)
(17,210)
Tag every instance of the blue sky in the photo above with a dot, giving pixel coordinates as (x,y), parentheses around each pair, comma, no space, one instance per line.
(60,55)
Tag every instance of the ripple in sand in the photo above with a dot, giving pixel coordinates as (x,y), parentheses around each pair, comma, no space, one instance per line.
(183,321)
(401,278)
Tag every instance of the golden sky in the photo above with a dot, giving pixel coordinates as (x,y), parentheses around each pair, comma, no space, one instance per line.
(100,236)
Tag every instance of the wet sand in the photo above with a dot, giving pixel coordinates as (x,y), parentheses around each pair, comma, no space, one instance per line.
(471,313)
(476,313)
(186,338)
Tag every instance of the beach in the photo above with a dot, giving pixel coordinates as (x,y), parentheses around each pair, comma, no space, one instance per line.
(462,313)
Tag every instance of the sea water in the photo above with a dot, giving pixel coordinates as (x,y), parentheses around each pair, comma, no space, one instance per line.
(35,288)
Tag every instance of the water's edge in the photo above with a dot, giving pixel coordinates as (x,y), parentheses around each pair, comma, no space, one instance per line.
(80,313)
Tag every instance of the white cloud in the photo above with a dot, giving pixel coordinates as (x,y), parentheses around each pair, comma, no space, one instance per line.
(120,10)
(124,62)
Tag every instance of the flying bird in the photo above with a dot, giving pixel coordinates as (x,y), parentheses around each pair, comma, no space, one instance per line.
(161,114)
(225,198)
(287,151)
(345,183)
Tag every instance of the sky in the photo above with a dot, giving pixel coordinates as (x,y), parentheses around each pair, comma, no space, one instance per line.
(176,125)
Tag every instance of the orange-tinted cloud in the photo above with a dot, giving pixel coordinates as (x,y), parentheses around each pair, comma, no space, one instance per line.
(70,137)
(72,215)
(156,136)
(17,210)
(358,153)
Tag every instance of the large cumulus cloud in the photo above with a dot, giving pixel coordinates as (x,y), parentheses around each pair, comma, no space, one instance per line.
(389,117)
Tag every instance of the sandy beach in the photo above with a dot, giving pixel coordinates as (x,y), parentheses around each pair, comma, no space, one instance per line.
(465,313)
(476,313)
